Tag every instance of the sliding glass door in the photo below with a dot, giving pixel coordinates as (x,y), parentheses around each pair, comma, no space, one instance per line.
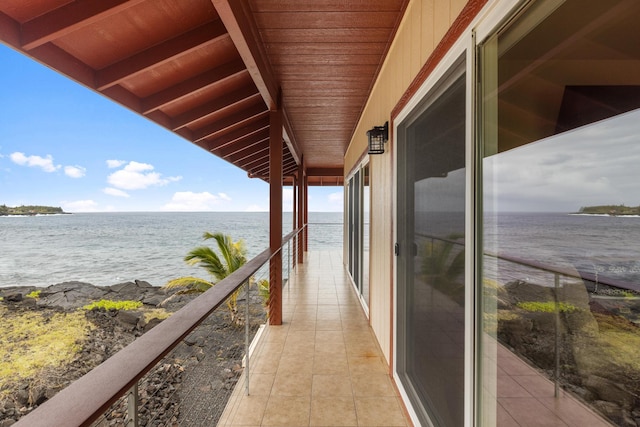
(358,231)
(431,253)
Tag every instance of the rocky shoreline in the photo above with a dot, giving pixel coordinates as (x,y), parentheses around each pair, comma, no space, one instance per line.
(171,392)
(598,359)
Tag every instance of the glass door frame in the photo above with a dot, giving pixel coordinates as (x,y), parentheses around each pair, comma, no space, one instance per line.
(355,230)
(463,48)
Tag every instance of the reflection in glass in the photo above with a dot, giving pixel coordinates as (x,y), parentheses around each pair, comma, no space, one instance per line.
(561,222)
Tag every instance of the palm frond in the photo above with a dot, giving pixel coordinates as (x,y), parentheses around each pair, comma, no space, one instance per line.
(205,257)
(189,283)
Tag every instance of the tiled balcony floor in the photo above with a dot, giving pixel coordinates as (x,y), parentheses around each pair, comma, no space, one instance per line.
(323,366)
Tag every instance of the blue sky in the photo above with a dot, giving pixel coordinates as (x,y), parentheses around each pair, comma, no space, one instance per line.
(64,145)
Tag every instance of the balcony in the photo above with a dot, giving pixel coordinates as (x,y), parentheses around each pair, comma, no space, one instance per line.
(322,366)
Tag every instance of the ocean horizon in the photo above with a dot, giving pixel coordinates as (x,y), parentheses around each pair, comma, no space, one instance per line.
(107,248)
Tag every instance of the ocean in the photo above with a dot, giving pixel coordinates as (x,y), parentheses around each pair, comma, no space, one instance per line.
(108,248)
(606,246)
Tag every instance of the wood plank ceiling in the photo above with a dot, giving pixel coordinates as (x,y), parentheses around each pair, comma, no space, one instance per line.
(210,70)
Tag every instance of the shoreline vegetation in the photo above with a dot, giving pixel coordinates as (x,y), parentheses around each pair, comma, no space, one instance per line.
(31,210)
(610,210)
(96,322)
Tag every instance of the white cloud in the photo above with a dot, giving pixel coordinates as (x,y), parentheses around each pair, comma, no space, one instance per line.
(45,163)
(112,164)
(337,197)
(114,192)
(75,171)
(138,176)
(593,165)
(80,206)
(188,201)
(256,208)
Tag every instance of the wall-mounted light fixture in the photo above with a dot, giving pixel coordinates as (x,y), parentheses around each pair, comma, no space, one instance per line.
(378,135)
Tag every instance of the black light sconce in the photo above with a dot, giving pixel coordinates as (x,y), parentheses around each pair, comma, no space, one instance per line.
(378,135)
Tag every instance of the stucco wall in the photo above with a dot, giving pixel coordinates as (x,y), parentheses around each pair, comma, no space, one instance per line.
(424,24)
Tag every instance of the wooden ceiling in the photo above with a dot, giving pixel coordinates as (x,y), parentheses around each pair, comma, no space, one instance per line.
(211,70)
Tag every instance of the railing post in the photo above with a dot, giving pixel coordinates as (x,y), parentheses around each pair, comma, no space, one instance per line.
(246,341)
(132,406)
(556,375)
(288,261)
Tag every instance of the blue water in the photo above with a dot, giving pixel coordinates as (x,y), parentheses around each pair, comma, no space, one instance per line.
(608,246)
(109,248)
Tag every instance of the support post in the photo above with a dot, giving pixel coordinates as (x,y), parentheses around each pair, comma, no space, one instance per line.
(275,217)
(301,203)
(306,212)
(294,188)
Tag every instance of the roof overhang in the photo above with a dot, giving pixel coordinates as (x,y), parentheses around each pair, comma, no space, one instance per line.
(211,70)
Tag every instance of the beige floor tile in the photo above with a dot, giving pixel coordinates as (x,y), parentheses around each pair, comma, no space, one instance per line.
(367,365)
(306,325)
(508,387)
(283,411)
(573,413)
(530,412)
(296,364)
(329,336)
(276,333)
(335,411)
(292,384)
(266,363)
(372,385)
(379,411)
(331,386)
(536,385)
(336,364)
(250,411)
(259,384)
(300,337)
(362,349)
(329,325)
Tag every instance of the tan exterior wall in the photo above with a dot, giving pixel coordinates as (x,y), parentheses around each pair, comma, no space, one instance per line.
(424,24)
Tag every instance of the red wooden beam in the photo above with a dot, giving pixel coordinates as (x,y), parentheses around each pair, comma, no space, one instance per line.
(161,53)
(257,111)
(242,145)
(209,108)
(68,18)
(242,28)
(251,129)
(183,89)
(260,154)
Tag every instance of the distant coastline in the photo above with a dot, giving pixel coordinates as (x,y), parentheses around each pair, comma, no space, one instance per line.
(609,210)
(31,210)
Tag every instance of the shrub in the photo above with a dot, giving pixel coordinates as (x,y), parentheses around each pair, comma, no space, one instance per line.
(34,294)
(113,305)
(546,307)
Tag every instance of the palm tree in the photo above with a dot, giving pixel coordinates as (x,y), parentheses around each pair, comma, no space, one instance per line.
(231,256)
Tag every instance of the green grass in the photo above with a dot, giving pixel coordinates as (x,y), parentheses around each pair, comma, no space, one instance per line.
(31,343)
(113,305)
(546,307)
(34,294)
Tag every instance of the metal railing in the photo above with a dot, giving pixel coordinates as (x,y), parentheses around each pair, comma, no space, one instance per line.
(85,400)
(558,273)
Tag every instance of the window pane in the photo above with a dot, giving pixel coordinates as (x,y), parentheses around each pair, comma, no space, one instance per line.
(561,215)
